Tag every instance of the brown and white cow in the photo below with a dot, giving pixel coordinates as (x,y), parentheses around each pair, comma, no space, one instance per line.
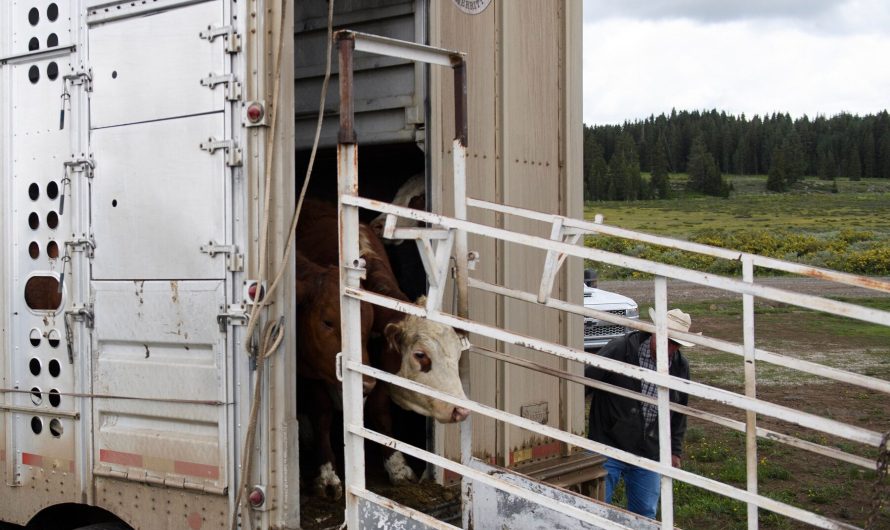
(415,348)
(319,342)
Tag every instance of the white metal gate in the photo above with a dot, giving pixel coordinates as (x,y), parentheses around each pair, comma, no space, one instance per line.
(365,509)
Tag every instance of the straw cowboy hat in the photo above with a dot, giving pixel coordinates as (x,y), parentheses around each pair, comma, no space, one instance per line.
(679,321)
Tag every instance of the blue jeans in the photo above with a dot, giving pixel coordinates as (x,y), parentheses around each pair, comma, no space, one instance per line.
(643,486)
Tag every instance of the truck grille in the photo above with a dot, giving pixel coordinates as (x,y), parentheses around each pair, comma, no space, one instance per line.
(593,329)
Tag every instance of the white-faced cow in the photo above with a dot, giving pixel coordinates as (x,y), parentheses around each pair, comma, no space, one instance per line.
(415,348)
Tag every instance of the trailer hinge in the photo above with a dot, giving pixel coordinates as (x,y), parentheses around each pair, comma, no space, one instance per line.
(80,77)
(233,87)
(234,260)
(234,315)
(228,33)
(233,152)
(84,165)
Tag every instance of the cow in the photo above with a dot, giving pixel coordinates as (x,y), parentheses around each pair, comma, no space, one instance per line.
(411,194)
(404,256)
(414,348)
(318,342)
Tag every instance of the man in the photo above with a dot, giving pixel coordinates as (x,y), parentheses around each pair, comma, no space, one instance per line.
(632,425)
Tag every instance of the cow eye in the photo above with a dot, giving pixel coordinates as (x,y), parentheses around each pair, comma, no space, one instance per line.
(328,324)
(426,364)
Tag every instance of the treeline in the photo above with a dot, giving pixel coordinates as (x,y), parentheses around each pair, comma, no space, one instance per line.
(707,145)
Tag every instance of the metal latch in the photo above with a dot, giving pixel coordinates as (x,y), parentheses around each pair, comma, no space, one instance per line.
(233,152)
(233,87)
(234,260)
(84,165)
(80,77)
(82,244)
(232,37)
(83,313)
(234,315)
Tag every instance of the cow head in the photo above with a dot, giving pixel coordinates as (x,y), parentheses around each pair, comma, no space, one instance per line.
(318,323)
(430,353)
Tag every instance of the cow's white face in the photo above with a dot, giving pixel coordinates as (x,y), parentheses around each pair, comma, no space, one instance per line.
(430,354)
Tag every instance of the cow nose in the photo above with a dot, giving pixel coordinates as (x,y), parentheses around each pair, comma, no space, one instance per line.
(459,414)
(368,384)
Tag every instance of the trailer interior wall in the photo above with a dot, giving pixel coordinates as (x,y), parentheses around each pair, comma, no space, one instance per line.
(524,92)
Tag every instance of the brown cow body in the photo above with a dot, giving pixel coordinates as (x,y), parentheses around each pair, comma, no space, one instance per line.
(415,348)
(319,341)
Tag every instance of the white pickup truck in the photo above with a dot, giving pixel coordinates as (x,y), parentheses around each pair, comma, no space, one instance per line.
(597,333)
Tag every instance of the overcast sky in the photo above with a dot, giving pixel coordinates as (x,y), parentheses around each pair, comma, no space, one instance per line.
(811,57)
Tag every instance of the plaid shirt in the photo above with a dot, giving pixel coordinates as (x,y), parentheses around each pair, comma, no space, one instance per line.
(650,412)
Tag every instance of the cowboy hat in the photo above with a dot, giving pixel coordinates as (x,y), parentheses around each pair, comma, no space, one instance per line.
(679,321)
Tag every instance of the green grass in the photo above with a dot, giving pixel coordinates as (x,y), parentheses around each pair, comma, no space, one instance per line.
(844,231)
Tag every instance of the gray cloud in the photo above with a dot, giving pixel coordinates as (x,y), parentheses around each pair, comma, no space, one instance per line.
(709,11)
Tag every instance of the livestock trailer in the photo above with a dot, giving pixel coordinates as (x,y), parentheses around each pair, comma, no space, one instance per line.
(146,201)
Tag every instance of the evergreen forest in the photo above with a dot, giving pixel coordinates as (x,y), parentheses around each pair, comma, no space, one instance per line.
(710,144)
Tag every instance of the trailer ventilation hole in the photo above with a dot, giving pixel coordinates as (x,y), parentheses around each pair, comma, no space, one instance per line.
(52,12)
(35,337)
(33,16)
(36,396)
(55,427)
(34,191)
(34,221)
(114,74)
(52,190)
(34,250)
(34,366)
(52,71)
(33,44)
(34,74)
(52,250)
(55,398)
(36,425)
(53,338)
(114,203)
(42,292)
(55,368)
(52,40)
(52,220)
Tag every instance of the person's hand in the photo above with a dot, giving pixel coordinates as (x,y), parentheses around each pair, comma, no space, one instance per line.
(676,461)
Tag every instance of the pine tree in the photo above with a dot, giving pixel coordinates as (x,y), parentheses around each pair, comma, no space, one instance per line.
(777,179)
(704,175)
(659,182)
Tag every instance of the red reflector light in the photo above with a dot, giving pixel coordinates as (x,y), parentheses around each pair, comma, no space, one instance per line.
(252,292)
(255,112)
(256,497)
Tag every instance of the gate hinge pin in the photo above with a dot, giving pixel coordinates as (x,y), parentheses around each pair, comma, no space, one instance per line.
(228,33)
(234,260)
(233,152)
(233,87)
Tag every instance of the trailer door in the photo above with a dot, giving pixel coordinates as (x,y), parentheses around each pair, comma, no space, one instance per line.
(159,203)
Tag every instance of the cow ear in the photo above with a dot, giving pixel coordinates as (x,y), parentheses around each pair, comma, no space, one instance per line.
(393,333)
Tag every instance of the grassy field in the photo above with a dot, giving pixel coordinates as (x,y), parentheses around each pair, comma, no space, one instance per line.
(848,230)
